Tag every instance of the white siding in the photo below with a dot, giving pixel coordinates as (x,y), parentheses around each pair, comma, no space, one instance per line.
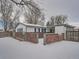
(37,30)
(21,26)
(30,29)
(40,29)
(60,29)
(25,29)
(47,30)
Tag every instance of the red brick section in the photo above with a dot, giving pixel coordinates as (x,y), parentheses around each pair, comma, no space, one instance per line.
(50,38)
(32,37)
(61,37)
(28,36)
(19,36)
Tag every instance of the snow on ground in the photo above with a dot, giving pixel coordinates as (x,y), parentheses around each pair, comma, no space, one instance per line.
(14,49)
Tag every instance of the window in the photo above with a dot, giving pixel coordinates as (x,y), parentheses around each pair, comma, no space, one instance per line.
(38,29)
(35,29)
(52,30)
(44,29)
(20,30)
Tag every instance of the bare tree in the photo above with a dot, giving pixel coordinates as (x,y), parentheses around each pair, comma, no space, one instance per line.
(6,9)
(34,12)
(60,19)
(30,17)
(14,22)
(51,22)
(48,24)
(42,20)
(57,20)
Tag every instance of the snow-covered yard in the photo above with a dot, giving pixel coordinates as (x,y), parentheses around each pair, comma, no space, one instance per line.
(14,49)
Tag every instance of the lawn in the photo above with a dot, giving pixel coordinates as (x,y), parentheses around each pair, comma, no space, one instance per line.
(14,49)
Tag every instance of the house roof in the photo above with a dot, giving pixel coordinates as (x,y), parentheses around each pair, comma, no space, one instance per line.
(36,25)
(32,25)
(65,25)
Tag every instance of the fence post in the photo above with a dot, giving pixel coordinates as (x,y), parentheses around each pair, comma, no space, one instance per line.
(73,35)
(66,35)
(45,39)
(63,35)
(78,34)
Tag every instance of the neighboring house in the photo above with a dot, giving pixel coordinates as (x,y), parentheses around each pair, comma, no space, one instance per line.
(59,29)
(1,25)
(63,28)
(30,28)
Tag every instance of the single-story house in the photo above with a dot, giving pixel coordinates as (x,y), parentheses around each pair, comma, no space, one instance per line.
(30,28)
(59,29)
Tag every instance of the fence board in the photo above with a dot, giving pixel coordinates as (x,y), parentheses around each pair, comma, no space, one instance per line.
(72,35)
(5,34)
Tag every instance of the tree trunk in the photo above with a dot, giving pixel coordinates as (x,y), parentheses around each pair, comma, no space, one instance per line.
(13,33)
(5,25)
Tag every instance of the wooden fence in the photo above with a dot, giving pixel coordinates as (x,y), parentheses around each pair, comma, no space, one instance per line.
(72,35)
(5,34)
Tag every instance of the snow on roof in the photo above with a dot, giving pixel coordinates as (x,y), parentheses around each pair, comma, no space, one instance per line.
(66,25)
(32,25)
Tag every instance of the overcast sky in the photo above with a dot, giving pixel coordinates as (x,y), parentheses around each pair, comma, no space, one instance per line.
(61,7)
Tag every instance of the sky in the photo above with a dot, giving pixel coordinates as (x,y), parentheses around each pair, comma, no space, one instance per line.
(69,8)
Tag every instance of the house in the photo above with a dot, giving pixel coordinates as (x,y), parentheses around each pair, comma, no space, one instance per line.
(63,28)
(31,28)
(22,27)
(59,29)
(1,26)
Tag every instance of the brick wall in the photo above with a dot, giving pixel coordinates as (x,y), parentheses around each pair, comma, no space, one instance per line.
(28,36)
(32,37)
(50,38)
(19,36)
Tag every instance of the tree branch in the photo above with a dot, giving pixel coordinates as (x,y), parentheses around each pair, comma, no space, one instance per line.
(17,2)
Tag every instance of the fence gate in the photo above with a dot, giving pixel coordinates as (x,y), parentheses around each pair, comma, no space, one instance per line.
(72,35)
